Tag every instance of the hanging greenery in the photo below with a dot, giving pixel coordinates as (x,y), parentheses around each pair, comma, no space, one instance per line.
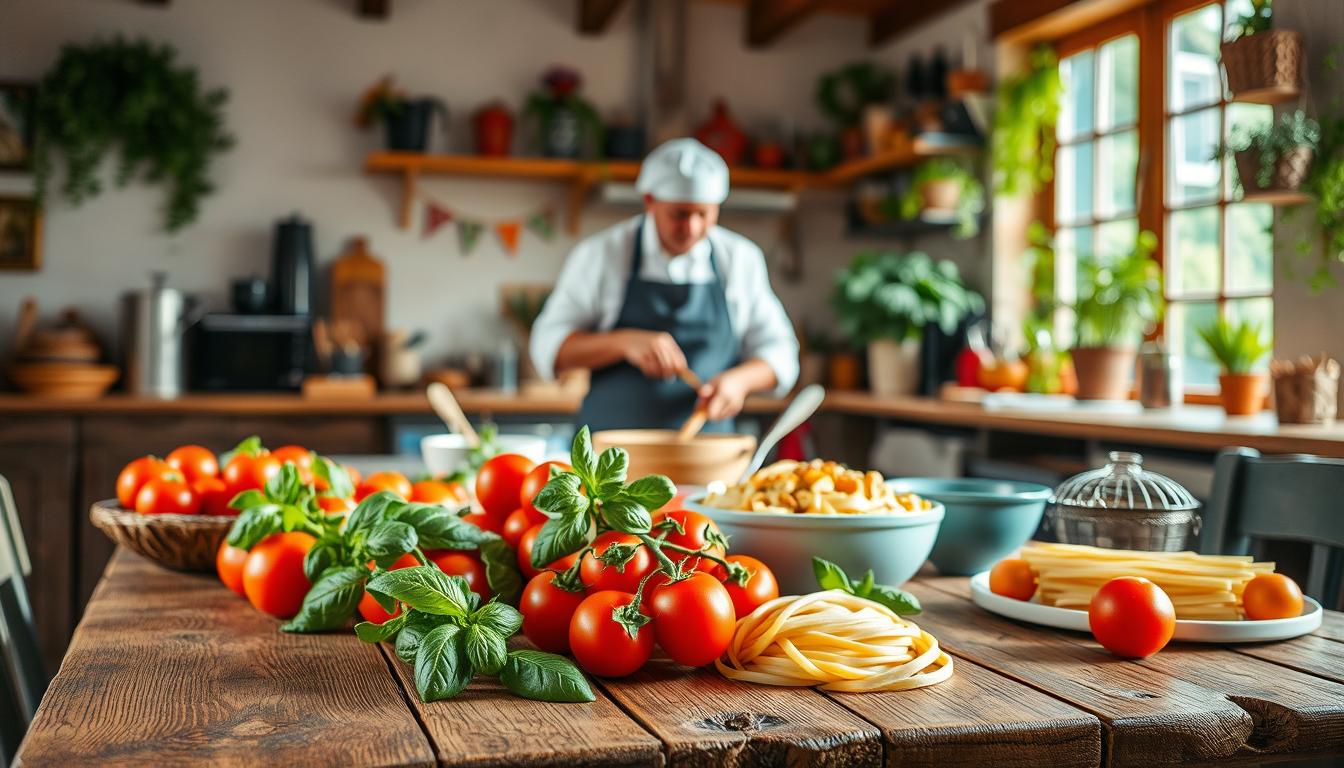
(1024,125)
(119,94)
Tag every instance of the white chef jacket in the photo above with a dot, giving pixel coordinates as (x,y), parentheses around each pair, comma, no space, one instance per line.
(591,289)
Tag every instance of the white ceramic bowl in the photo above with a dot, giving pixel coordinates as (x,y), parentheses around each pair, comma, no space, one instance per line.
(894,546)
(447,453)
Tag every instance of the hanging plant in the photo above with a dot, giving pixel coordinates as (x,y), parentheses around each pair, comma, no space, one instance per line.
(1024,125)
(129,96)
(842,95)
(946,186)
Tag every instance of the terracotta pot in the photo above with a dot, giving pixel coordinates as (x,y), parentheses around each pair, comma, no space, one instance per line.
(844,370)
(1265,67)
(941,195)
(1243,394)
(1103,372)
(893,367)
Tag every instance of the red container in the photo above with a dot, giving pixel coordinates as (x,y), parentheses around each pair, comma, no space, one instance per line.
(494,130)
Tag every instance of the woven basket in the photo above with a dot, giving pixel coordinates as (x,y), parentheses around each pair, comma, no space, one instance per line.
(1265,68)
(1285,180)
(181,542)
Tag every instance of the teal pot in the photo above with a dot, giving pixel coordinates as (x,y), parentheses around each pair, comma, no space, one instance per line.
(985,520)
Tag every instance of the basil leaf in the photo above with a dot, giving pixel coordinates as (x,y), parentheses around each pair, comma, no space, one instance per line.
(322,556)
(442,669)
(371,511)
(544,677)
(581,456)
(863,587)
(652,492)
(901,603)
(561,496)
(485,649)
(612,466)
(284,486)
(438,527)
(500,617)
(376,633)
(413,631)
(253,525)
(388,541)
(424,588)
(501,569)
(559,537)
(292,517)
(248,499)
(338,479)
(626,515)
(331,602)
(830,576)
(250,446)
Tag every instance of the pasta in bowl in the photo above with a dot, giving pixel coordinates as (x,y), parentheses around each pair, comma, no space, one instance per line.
(814,487)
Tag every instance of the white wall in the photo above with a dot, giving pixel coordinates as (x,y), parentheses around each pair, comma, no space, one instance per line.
(295,69)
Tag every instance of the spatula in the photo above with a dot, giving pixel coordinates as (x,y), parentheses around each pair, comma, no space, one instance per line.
(799,410)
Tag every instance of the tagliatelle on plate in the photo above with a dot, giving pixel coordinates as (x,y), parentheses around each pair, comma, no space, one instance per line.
(814,487)
(835,641)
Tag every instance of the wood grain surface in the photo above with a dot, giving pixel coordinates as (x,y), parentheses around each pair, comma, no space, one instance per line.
(1312,654)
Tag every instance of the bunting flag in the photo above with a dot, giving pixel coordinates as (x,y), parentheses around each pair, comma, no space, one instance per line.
(435,216)
(542,223)
(470,228)
(508,235)
(469,233)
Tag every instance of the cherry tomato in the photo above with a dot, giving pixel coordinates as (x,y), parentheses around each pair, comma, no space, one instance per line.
(535,481)
(525,545)
(384,481)
(194,462)
(135,475)
(602,646)
(369,608)
(300,457)
(1013,578)
(248,473)
(229,565)
(273,578)
(164,496)
(598,576)
(693,619)
(1131,617)
(760,588)
(1272,596)
(547,610)
(698,532)
(516,524)
(466,565)
(214,496)
(439,492)
(485,522)
(499,483)
(335,505)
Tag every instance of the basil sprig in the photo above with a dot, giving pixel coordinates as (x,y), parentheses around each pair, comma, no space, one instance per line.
(831,576)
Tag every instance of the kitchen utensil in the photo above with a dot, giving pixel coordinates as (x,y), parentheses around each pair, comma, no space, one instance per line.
(1188,630)
(180,542)
(1123,506)
(692,381)
(447,454)
(693,424)
(984,520)
(1160,383)
(250,296)
(893,545)
(799,410)
(154,321)
(358,280)
(698,461)
(505,375)
(446,407)
(72,381)
(399,360)
(292,266)
(27,323)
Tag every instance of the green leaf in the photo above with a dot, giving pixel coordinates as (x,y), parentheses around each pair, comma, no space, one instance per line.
(250,446)
(544,677)
(424,588)
(442,668)
(338,479)
(331,602)
(438,527)
(626,515)
(376,633)
(502,618)
(652,492)
(253,525)
(630,617)
(561,496)
(371,511)
(324,554)
(284,486)
(865,585)
(830,576)
(559,537)
(581,456)
(388,541)
(413,631)
(501,569)
(292,517)
(248,499)
(901,603)
(610,474)
(485,649)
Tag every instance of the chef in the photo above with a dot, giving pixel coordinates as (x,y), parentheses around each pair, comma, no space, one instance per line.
(666,292)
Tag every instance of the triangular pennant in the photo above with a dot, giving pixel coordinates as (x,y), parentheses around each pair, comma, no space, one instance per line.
(543,223)
(468,234)
(435,216)
(508,235)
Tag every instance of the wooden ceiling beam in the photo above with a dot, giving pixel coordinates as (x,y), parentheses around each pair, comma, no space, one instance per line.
(373,9)
(901,16)
(595,15)
(768,19)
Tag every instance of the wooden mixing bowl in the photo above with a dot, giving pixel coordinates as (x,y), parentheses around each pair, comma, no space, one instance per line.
(698,461)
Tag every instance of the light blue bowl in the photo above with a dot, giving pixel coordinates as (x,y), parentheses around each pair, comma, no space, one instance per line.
(985,520)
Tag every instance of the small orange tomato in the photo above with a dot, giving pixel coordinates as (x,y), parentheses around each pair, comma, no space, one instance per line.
(164,496)
(1012,578)
(335,505)
(439,492)
(299,457)
(193,461)
(214,496)
(1131,617)
(135,475)
(517,523)
(384,481)
(370,609)
(273,578)
(229,564)
(485,522)
(1272,596)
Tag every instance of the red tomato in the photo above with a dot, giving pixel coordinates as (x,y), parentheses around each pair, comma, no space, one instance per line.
(369,608)
(517,523)
(525,555)
(547,610)
(300,457)
(499,483)
(535,481)
(1272,596)
(466,565)
(273,577)
(384,481)
(693,619)
(335,505)
(439,492)
(135,475)
(214,496)
(698,532)
(485,522)
(600,645)
(760,589)
(598,576)
(229,565)
(248,473)
(194,462)
(162,496)
(1131,617)
(1012,577)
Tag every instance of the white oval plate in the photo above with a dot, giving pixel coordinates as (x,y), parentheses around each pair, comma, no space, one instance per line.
(1188,630)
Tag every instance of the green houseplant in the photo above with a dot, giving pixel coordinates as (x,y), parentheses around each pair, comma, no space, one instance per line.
(1262,63)
(1120,299)
(1276,158)
(567,124)
(134,98)
(945,187)
(1238,346)
(1024,125)
(885,300)
(854,95)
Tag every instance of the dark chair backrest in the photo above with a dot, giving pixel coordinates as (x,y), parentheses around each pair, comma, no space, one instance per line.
(1280,498)
(23,679)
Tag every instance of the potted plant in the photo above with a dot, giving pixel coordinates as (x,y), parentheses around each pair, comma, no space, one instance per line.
(1274,160)
(857,95)
(1121,299)
(1262,64)
(567,125)
(132,97)
(1025,112)
(943,189)
(885,300)
(406,121)
(1238,347)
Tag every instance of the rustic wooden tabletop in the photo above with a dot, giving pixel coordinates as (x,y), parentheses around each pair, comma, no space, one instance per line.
(170,668)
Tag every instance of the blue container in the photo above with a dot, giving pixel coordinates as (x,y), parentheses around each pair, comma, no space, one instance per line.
(985,521)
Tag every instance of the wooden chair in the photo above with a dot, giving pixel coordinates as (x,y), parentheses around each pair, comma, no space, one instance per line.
(1280,498)
(23,679)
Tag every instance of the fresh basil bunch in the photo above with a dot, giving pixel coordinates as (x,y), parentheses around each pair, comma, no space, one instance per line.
(831,576)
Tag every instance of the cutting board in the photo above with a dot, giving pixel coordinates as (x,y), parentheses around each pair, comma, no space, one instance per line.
(358,293)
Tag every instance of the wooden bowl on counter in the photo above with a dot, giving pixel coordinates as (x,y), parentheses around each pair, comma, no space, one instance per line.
(698,461)
(71,381)
(180,542)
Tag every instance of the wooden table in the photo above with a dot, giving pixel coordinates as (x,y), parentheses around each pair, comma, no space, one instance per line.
(171,668)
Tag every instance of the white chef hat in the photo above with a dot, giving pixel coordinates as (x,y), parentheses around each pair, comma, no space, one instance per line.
(684,171)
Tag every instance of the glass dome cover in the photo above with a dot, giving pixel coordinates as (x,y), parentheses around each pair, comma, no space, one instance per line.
(1124,484)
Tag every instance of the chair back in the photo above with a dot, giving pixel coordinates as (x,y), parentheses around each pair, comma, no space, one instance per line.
(23,679)
(1280,498)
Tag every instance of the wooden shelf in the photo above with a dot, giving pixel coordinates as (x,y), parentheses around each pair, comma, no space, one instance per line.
(1276,197)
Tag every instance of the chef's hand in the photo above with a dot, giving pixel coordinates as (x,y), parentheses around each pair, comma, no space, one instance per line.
(654,353)
(723,396)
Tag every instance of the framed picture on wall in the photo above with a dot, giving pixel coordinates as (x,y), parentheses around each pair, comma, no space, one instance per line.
(20,233)
(17,101)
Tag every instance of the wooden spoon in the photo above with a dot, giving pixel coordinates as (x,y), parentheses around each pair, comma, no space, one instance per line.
(694,423)
(445,405)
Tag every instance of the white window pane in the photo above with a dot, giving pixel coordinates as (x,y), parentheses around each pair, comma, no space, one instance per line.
(1183,318)
(1193,76)
(1117,166)
(1118,88)
(1250,248)
(1073,183)
(1084,250)
(1192,257)
(1192,172)
(1079,102)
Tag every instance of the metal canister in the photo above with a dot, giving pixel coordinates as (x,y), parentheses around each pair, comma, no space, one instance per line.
(1124,506)
(1160,382)
(153,322)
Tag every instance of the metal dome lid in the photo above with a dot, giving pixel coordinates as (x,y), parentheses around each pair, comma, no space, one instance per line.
(1124,484)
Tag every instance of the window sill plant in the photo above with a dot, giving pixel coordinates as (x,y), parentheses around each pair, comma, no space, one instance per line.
(1263,64)
(943,189)
(1122,300)
(1238,347)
